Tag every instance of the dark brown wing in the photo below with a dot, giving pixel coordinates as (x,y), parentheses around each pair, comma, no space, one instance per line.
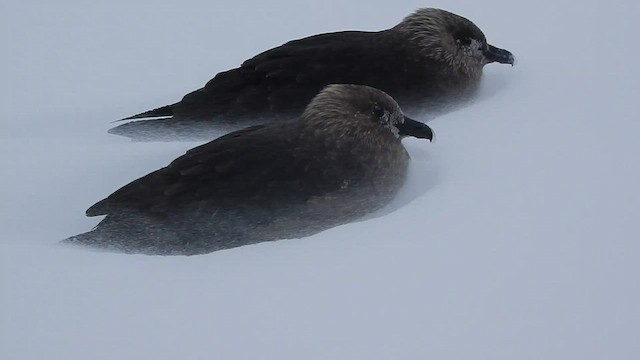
(277,84)
(249,166)
(285,78)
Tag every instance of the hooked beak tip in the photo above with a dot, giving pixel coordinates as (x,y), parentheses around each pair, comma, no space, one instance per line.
(416,129)
(495,54)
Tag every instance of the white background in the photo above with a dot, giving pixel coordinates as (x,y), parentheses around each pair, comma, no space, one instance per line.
(516,236)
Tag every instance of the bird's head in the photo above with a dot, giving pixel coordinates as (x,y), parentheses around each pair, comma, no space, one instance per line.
(364,105)
(453,39)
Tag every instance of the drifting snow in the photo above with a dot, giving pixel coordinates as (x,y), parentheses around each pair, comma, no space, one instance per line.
(515,237)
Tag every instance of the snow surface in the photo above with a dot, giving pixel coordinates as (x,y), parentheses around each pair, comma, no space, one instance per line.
(517,236)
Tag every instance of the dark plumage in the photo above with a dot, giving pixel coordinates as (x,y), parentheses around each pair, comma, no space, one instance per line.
(429,60)
(343,158)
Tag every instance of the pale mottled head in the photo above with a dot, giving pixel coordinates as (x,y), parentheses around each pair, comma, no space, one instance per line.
(452,39)
(340,103)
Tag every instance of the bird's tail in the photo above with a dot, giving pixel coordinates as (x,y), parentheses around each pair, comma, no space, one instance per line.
(161,112)
(90,238)
(168,129)
(94,237)
(105,240)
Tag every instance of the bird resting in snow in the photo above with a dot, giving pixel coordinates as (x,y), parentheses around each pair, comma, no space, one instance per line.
(340,160)
(429,61)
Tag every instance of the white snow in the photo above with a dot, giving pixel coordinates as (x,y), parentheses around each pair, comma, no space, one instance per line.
(517,236)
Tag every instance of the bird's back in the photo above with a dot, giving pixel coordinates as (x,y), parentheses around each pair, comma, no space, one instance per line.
(278,83)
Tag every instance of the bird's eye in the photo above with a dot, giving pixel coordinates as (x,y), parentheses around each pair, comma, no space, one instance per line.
(463,37)
(466,41)
(378,111)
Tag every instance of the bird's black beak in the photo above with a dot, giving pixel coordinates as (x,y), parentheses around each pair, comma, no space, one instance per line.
(414,128)
(494,54)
